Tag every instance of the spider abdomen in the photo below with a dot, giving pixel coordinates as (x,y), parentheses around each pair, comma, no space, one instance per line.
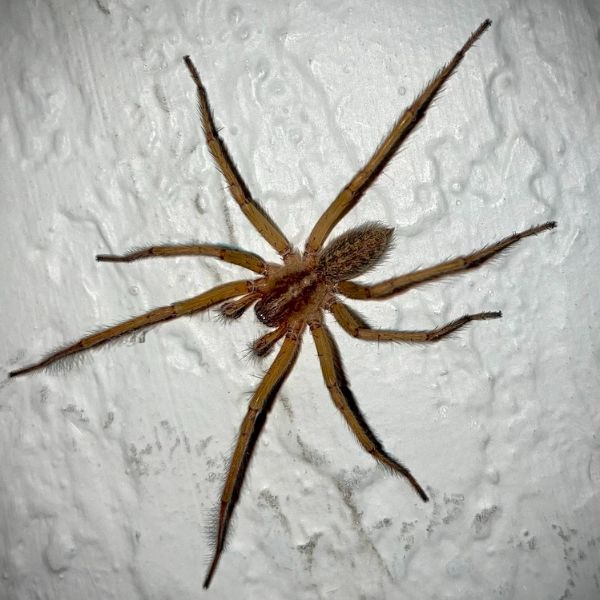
(355,252)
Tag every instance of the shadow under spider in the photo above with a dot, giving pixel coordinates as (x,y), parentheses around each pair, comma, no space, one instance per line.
(293,295)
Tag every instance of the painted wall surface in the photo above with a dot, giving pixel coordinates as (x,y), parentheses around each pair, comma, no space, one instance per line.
(110,472)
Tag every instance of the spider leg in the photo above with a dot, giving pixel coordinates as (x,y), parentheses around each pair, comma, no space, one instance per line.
(158,315)
(249,260)
(356,327)
(250,430)
(343,398)
(237,187)
(397,285)
(352,193)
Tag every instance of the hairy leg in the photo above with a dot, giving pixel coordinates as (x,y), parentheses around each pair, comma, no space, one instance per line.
(250,430)
(352,193)
(397,285)
(341,394)
(249,260)
(237,187)
(356,327)
(158,315)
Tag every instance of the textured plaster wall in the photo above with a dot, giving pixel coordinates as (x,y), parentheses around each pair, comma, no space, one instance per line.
(110,472)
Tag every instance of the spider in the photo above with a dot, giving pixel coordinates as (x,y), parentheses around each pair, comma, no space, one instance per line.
(293,296)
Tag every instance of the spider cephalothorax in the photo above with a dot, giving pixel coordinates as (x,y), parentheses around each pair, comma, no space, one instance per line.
(295,294)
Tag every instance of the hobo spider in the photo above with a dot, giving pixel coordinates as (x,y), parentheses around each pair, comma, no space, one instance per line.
(292,296)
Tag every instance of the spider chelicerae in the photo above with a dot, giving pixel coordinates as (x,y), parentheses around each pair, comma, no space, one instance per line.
(294,295)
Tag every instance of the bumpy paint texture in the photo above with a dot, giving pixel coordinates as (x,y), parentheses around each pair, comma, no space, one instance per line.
(110,472)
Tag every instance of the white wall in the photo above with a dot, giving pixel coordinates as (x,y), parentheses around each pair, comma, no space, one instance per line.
(110,472)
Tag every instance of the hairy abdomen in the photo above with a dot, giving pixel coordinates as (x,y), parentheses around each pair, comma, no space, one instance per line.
(355,252)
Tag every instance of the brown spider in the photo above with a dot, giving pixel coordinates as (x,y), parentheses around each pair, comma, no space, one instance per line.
(293,295)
